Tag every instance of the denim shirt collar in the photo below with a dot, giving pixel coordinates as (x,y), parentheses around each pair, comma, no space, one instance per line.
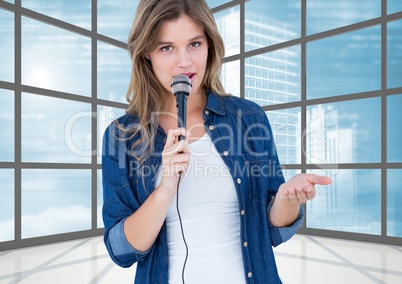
(214,104)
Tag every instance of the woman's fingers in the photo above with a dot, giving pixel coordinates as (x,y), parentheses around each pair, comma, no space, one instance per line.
(316,179)
(298,195)
(173,146)
(301,188)
(173,136)
(176,154)
(180,147)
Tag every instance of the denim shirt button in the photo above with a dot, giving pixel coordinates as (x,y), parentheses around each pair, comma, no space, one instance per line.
(225,153)
(211,127)
(242,212)
(249,275)
(245,244)
(206,112)
(238,181)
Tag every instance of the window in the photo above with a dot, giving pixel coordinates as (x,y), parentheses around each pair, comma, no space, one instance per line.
(7,199)
(65,76)
(7,46)
(332,63)
(394,200)
(55,59)
(55,201)
(327,74)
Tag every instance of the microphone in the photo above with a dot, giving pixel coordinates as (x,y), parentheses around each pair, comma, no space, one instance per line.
(181,88)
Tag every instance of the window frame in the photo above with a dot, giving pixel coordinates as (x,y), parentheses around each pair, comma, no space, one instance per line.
(383,93)
(17,165)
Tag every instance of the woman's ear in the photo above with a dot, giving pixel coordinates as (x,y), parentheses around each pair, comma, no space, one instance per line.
(146,56)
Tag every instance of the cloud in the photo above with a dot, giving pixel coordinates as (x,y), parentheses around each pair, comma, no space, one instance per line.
(56,221)
(51,221)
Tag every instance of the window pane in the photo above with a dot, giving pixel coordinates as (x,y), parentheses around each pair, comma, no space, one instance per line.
(114,71)
(105,116)
(285,124)
(325,15)
(7,46)
(55,130)
(394,122)
(99,200)
(55,59)
(345,132)
(394,6)
(7,126)
(6,205)
(76,12)
(394,54)
(269,22)
(216,3)
(228,22)
(116,17)
(352,203)
(344,64)
(273,77)
(55,201)
(230,77)
(394,201)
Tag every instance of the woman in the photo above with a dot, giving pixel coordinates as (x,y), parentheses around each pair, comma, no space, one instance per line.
(225,179)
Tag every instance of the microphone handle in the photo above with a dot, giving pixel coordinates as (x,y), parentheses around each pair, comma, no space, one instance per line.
(181,104)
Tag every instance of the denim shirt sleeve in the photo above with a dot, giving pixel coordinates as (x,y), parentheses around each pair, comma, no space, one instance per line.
(119,199)
(283,234)
(120,246)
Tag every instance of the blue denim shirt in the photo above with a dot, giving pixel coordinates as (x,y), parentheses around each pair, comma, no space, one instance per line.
(242,135)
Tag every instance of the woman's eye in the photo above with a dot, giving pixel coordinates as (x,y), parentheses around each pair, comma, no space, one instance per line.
(195,44)
(166,48)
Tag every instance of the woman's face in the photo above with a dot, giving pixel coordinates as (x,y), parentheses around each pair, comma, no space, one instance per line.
(182,49)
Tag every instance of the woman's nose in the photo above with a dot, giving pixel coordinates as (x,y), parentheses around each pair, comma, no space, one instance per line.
(183,59)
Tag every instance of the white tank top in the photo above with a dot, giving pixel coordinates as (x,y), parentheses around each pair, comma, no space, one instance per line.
(211,222)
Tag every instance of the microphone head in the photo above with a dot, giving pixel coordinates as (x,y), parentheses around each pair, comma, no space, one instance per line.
(181,83)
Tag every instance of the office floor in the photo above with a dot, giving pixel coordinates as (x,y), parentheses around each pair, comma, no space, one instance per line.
(303,259)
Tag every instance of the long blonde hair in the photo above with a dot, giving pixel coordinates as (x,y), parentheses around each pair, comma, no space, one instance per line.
(146,95)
